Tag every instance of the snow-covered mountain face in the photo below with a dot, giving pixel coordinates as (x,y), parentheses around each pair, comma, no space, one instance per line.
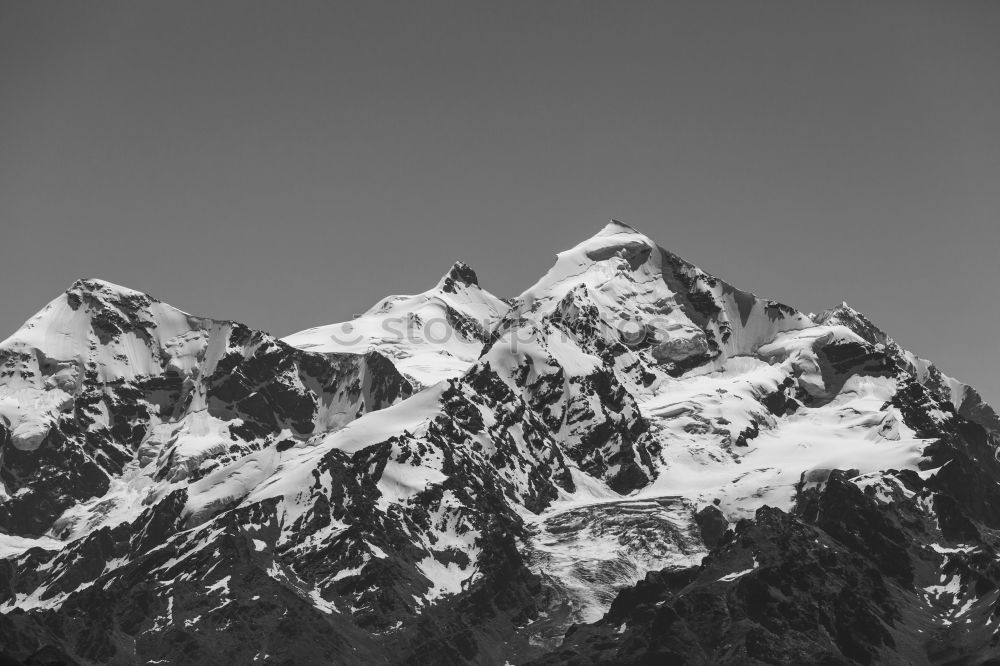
(111,398)
(429,337)
(631,462)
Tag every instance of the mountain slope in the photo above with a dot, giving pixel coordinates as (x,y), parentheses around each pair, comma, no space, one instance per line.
(595,471)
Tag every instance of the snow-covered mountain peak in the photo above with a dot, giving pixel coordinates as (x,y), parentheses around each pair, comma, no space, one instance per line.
(90,295)
(845,315)
(614,227)
(458,276)
(431,336)
(105,288)
(614,240)
(843,309)
(110,330)
(965,398)
(635,287)
(597,262)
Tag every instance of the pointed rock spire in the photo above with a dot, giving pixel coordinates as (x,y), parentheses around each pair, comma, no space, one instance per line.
(459,275)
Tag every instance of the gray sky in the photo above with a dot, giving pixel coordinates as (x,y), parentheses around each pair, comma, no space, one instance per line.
(287,164)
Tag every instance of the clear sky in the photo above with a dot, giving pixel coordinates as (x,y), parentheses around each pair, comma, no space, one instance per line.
(287,164)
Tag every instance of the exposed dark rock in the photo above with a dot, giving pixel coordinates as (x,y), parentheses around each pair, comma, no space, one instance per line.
(713,525)
(459,275)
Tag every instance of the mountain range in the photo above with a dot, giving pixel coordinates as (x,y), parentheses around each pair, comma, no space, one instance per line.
(632,462)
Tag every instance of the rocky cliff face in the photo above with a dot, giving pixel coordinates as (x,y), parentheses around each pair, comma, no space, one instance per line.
(631,462)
